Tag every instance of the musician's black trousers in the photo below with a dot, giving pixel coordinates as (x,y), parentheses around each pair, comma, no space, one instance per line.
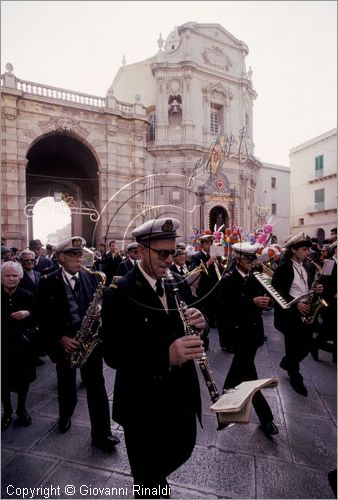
(97,399)
(157,447)
(298,343)
(243,368)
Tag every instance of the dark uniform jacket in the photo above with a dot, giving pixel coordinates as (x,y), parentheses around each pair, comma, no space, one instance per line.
(137,333)
(124,267)
(54,316)
(282,280)
(240,316)
(109,264)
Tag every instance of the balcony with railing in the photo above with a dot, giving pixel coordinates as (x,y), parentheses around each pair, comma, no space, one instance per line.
(10,81)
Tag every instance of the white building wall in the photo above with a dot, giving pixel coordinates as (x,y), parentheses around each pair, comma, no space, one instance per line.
(306,215)
(279,195)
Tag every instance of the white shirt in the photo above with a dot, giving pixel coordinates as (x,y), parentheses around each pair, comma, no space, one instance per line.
(152,283)
(299,285)
(185,269)
(67,278)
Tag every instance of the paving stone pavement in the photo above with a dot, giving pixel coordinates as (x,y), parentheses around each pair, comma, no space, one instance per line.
(239,462)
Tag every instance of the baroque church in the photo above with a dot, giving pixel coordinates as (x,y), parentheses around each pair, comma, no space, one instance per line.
(172,137)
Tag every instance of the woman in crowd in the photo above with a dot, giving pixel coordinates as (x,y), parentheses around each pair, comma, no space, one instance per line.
(17,353)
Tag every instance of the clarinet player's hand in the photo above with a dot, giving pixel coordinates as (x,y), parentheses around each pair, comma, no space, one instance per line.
(184,349)
(195,318)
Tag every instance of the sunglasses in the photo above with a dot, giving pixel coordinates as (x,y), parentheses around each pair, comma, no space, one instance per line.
(29,260)
(162,254)
(249,258)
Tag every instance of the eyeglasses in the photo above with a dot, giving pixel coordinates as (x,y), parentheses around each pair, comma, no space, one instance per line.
(28,260)
(133,251)
(162,254)
(249,258)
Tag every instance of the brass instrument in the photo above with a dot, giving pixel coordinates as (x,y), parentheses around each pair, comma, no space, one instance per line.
(87,335)
(315,301)
(203,363)
(267,270)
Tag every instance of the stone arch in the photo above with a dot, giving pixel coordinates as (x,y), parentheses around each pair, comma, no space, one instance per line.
(62,162)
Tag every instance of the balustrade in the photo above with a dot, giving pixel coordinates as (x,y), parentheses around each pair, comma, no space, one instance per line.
(67,95)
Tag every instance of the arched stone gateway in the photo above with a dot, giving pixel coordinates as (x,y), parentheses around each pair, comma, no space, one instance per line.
(62,166)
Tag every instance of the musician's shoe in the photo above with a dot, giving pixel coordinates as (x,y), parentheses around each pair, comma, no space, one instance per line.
(283,364)
(64,424)
(107,443)
(314,353)
(6,421)
(39,362)
(298,385)
(24,419)
(269,429)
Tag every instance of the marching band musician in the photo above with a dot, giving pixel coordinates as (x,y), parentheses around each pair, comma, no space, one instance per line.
(293,279)
(179,265)
(206,288)
(156,392)
(242,301)
(63,298)
(129,262)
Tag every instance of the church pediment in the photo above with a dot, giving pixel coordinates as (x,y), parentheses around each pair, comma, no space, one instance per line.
(215,32)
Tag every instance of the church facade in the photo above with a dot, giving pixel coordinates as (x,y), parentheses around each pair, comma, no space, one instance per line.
(172,137)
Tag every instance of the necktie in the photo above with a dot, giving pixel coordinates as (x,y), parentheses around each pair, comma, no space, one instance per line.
(181,271)
(159,288)
(76,287)
(208,256)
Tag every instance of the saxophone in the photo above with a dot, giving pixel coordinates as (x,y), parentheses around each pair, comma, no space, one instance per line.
(315,301)
(88,334)
(203,363)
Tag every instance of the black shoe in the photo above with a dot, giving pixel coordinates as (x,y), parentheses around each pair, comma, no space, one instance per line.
(39,362)
(6,421)
(283,364)
(24,419)
(269,429)
(107,443)
(64,424)
(314,353)
(298,385)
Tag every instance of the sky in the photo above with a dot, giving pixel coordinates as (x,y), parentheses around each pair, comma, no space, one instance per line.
(79,45)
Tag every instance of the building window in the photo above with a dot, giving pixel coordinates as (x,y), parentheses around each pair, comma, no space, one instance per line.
(273,208)
(301,221)
(215,119)
(319,166)
(273,182)
(319,199)
(151,129)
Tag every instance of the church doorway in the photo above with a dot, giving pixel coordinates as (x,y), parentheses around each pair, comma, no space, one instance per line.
(217,217)
(63,169)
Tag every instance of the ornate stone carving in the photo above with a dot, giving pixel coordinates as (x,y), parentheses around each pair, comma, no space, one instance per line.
(60,124)
(29,133)
(112,130)
(217,94)
(215,56)
(10,116)
(175,86)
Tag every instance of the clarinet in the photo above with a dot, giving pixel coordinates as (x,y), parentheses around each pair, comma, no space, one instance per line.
(203,363)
